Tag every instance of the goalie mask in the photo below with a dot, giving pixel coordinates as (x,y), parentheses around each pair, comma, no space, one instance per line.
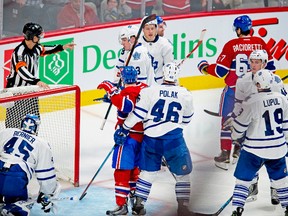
(33,29)
(243,22)
(259,54)
(127,32)
(30,124)
(264,78)
(128,74)
(171,72)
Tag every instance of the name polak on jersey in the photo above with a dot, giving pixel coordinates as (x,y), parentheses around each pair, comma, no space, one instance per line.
(165,93)
(271,102)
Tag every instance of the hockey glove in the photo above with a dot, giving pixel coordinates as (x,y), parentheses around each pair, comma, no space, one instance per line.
(203,66)
(228,122)
(120,136)
(47,205)
(109,87)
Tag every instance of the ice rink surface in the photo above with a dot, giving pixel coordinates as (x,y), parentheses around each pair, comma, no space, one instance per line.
(211,187)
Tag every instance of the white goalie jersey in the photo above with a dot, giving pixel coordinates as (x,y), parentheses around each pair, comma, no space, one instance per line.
(141,61)
(264,118)
(245,87)
(161,51)
(162,108)
(32,153)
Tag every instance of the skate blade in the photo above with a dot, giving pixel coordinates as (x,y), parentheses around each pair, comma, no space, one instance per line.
(222,165)
(251,198)
(234,161)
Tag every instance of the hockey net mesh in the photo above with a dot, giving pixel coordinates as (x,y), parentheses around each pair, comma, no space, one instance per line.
(59,116)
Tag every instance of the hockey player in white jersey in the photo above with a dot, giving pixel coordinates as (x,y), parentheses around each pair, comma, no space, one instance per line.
(23,153)
(164,110)
(160,49)
(263,123)
(245,86)
(140,58)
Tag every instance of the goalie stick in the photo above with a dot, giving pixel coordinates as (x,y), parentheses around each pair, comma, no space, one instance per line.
(196,47)
(218,115)
(101,166)
(143,23)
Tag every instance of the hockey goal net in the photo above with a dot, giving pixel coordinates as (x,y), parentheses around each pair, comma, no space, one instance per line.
(59,111)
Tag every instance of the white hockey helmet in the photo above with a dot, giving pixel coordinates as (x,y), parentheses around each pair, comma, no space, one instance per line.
(259,54)
(152,22)
(128,32)
(264,78)
(171,72)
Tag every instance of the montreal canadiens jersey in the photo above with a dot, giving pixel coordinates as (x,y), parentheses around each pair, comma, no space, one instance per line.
(161,52)
(32,153)
(233,59)
(163,109)
(245,87)
(264,117)
(141,61)
(125,103)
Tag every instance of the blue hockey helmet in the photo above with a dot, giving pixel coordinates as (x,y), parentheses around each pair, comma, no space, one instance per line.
(243,22)
(128,74)
(30,124)
(159,20)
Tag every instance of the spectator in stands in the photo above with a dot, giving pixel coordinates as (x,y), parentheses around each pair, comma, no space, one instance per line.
(110,12)
(136,6)
(125,12)
(172,7)
(157,8)
(69,16)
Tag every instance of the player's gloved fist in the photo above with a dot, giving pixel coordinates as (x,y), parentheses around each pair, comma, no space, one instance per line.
(228,122)
(47,205)
(120,136)
(109,87)
(202,67)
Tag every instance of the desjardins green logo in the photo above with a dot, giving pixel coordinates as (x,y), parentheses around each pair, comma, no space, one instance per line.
(57,68)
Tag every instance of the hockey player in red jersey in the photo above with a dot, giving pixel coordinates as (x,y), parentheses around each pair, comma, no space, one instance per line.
(231,64)
(125,157)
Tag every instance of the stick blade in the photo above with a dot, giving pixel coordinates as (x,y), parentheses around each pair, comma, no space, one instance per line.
(202,34)
(212,113)
(82,196)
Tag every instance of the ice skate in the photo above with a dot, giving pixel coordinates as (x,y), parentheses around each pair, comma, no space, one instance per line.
(236,153)
(238,211)
(183,209)
(138,208)
(222,161)
(119,210)
(253,191)
(274,196)
(286,211)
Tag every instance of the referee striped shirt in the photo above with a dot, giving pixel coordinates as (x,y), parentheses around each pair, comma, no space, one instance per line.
(24,63)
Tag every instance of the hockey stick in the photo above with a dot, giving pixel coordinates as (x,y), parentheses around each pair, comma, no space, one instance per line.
(166,164)
(212,113)
(196,47)
(218,212)
(284,78)
(143,23)
(101,166)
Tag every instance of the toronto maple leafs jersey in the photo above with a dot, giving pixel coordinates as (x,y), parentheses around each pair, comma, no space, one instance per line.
(245,87)
(161,52)
(164,109)
(141,61)
(264,118)
(33,155)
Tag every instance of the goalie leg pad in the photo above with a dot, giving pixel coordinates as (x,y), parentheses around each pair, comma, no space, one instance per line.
(20,208)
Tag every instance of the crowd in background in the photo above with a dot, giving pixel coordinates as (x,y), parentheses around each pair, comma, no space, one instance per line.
(62,14)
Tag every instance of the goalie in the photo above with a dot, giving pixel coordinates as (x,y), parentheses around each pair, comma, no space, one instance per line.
(22,153)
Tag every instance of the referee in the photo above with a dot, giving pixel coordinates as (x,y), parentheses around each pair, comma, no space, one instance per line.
(24,70)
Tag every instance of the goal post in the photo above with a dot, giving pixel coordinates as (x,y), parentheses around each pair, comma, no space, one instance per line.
(59,111)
